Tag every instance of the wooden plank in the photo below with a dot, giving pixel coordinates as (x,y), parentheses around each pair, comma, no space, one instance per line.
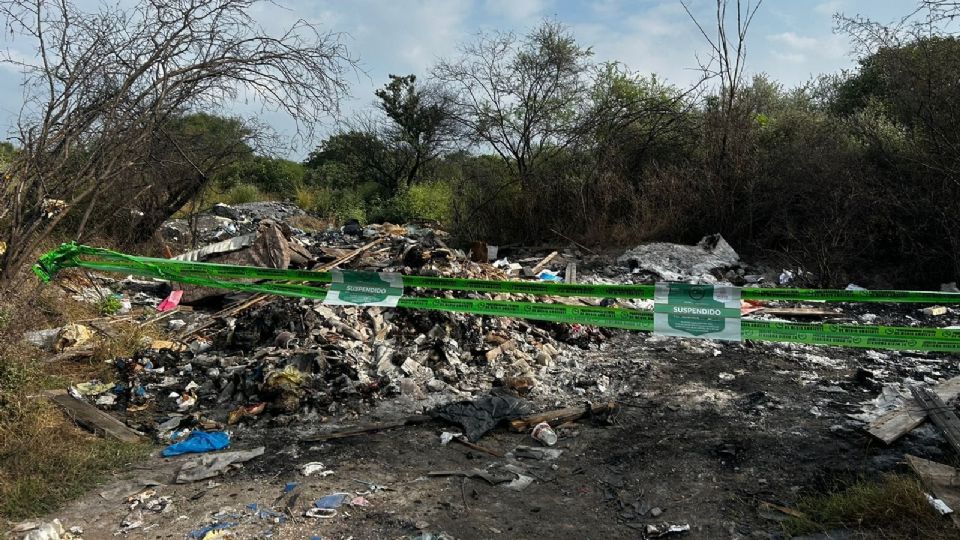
(799,312)
(570,275)
(894,424)
(95,420)
(542,264)
(367,429)
(70,354)
(942,481)
(559,416)
(942,416)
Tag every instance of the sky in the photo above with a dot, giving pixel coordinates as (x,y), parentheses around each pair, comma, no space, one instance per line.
(790,40)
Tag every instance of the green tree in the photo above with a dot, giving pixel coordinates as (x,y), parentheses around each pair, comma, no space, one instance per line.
(421,126)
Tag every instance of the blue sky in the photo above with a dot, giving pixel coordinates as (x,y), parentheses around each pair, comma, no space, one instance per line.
(790,40)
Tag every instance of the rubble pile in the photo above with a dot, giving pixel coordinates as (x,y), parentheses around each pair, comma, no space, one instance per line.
(284,357)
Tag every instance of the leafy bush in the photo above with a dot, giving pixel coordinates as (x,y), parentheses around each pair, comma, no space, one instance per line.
(429,200)
(109,305)
(242,193)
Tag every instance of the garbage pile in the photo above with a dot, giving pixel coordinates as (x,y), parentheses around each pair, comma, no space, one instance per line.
(282,357)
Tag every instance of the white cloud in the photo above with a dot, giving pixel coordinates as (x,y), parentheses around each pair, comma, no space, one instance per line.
(518,11)
(799,48)
(793,58)
(794,41)
(830,7)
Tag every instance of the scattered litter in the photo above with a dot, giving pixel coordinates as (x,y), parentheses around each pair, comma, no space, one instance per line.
(203,532)
(71,335)
(331,501)
(41,530)
(544,433)
(170,302)
(93,388)
(479,416)
(543,454)
(315,467)
(372,487)
(938,505)
(210,465)
(246,411)
(321,513)
(198,442)
(659,530)
(448,436)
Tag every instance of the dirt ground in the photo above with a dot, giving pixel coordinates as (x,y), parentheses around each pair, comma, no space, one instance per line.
(705,432)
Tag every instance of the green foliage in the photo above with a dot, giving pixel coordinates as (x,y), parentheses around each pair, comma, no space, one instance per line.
(109,305)
(242,193)
(429,200)
(269,175)
(7,152)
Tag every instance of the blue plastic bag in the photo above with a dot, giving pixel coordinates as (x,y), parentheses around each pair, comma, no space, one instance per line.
(332,501)
(198,442)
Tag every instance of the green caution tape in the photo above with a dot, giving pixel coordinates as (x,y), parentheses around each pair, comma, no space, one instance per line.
(68,255)
(224,276)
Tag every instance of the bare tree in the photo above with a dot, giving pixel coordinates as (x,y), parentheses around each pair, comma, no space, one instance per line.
(520,97)
(105,84)
(728,53)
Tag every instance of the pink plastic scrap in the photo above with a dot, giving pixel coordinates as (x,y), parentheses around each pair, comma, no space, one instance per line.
(170,302)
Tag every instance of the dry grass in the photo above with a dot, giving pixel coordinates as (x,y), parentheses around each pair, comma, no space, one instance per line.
(892,507)
(45,460)
(309,223)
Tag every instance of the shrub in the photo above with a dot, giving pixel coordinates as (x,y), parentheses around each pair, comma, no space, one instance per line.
(243,193)
(109,305)
(429,200)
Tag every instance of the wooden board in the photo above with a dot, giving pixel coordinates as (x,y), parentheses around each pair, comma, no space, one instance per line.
(799,312)
(560,416)
(542,264)
(942,481)
(97,421)
(570,276)
(940,414)
(895,424)
(367,429)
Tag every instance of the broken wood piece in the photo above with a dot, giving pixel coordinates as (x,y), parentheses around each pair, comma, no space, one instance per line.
(942,415)
(95,420)
(894,424)
(349,257)
(71,354)
(574,242)
(934,311)
(570,275)
(542,264)
(463,440)
(367,429)
(559,416)
(782,509)
(798,312)
(476,473)
(942,481)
